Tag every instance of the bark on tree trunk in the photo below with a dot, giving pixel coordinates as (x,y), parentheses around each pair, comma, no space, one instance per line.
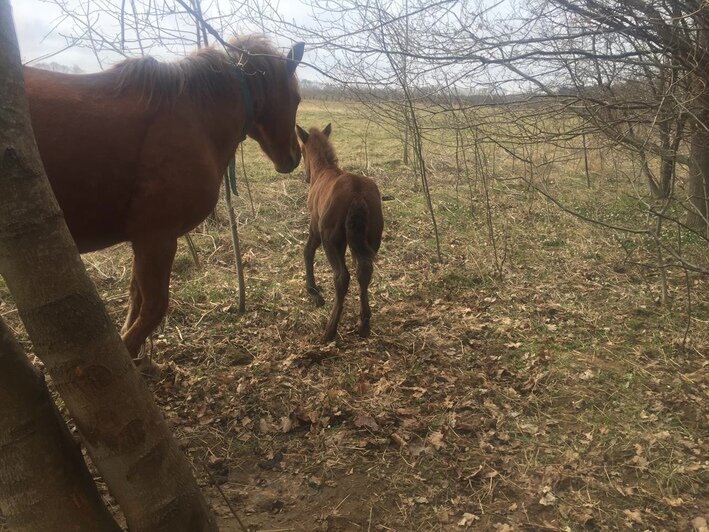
(122,427)
(44,482)
(698,216)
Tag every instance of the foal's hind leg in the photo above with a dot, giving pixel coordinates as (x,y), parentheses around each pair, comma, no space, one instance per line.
(364,276)
(311,246)
(135,299)
(153,262)
(335,251)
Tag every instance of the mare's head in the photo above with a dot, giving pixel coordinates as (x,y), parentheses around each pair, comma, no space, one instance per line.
(316,146)
(273,88)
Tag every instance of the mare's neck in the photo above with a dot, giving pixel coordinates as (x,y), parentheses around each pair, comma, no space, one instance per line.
(226,118)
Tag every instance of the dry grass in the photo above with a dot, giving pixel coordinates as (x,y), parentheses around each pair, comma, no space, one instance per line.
(558,397)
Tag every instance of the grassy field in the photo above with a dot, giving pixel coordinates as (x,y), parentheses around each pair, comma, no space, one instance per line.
(546,391)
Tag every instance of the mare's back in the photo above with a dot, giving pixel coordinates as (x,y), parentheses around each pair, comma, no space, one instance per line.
(90,141)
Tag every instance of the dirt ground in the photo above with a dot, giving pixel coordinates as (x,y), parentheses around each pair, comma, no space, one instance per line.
(559,395)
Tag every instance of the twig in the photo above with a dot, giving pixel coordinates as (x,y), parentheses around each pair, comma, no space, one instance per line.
(341,503)
(233,226)
(193,250)
(228,503)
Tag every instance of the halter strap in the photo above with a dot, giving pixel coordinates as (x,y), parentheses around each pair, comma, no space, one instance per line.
(230,176)
(248,103)
(250,114)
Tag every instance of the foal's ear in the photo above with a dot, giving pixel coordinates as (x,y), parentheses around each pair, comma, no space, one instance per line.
(295,55)
(302,134)
(327,130)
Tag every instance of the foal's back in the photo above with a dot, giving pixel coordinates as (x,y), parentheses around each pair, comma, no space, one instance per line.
(344,193)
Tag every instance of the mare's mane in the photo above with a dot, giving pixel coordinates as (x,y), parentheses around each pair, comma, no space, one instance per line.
(206,74)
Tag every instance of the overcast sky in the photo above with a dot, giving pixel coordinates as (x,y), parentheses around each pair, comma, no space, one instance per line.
(36,23)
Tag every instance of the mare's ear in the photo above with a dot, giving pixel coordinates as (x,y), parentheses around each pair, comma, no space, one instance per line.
(295,55)
(327,130)
(302,134)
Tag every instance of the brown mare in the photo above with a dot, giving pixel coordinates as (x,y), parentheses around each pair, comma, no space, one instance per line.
(345,210)
(137,153)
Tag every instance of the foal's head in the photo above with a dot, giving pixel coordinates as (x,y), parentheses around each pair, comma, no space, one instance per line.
(316,148)
(275,93)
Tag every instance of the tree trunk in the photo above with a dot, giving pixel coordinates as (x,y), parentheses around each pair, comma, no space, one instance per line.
(698,216)
(667,164)
(44,482)
(122,427)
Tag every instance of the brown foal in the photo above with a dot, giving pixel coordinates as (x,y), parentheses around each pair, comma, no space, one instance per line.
(345,210)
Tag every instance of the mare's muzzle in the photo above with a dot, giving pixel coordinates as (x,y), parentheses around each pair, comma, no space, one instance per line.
(288,166)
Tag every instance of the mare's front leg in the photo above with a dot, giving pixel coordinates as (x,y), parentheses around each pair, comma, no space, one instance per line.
(152,265)
(335,246)
(311,247)
(135,300)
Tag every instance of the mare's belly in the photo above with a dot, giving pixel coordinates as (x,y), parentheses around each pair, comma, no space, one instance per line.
(92,233)
(94,207)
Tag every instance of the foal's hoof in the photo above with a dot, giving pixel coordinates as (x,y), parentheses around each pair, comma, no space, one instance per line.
(364,330)
(328,337)
(317,297)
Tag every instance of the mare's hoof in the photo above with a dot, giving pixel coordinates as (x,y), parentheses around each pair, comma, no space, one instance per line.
(328,337)
(149,368)
(364,330)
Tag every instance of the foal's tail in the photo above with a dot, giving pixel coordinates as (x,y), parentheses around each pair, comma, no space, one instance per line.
(356,225)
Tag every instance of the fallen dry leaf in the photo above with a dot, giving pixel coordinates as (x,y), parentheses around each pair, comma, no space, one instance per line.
(700,524)
(398,440)
(502,527)
(674,502)
(443,516)
(634,515)
(547,499)
(415,448)
(264,426)
(286,424)
(365,421)
(436,439)
(467,519)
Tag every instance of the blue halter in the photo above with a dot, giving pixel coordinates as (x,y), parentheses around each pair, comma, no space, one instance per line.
(250,114)
(248,103)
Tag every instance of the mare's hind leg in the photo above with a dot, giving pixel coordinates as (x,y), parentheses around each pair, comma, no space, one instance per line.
(335,251)
(364,276)
(153,262)
(311,246)
(135,299)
